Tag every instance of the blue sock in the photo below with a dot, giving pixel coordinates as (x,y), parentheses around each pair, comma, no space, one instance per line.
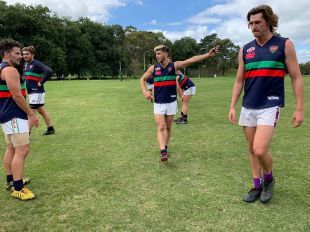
(9,178)
(18,185)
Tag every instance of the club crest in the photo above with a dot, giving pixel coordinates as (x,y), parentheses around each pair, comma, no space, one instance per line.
(273,49)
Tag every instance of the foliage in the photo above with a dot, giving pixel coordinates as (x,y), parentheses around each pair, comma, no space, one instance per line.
(305,68)
(86,48)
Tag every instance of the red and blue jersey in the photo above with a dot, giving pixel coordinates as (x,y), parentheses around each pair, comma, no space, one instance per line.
(150,80)
(185,82)
(8,107)
(35,72)
(164,83)
(265,70)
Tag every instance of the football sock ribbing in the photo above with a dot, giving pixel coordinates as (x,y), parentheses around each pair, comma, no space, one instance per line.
(18,185)
(257,183)
(268,177)
(9,178)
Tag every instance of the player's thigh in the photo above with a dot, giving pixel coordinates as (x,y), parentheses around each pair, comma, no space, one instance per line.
(169,120)
(262,139)
(41,110)
(186,99)
(249,133)
(160,120)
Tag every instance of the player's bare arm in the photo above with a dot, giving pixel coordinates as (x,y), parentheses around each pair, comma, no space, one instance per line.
(195,59)
(237,89)
(297,82)
(144,77)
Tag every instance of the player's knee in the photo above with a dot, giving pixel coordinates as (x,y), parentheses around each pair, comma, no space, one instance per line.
(161,128)
(168,127)
(22,150)
(258,152)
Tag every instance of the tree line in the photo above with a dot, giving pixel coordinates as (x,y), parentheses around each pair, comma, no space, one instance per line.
(86,48)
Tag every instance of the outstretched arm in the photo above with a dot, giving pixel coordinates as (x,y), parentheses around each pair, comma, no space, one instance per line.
(195,59)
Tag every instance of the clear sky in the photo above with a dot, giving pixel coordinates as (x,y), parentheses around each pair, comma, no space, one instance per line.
(194,18)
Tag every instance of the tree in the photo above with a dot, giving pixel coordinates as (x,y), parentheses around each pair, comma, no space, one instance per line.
(227,57)
(138,47)
(305,68)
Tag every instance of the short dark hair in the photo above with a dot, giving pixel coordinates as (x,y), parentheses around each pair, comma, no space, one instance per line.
(30,49)
(270,17)
(6,45)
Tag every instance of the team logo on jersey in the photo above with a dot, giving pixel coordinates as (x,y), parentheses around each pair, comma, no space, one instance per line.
(273,49)
(250,55)
(158,73)
(169,69)
(251,49)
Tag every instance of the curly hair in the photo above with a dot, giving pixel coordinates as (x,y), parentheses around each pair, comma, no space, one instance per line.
(268,14)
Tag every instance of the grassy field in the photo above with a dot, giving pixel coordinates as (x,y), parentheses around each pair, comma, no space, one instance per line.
(101,170)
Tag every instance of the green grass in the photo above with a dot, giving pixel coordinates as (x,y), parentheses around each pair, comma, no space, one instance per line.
(101,170)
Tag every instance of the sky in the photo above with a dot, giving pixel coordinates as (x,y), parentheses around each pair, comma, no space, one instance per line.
(194,18)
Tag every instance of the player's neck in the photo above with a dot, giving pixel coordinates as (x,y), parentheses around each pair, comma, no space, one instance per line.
(264,39)
(8,61)
(165,62)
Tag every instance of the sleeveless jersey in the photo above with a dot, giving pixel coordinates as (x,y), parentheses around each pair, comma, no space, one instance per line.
(264,74)
(8,107)
(185,82)
(150,80)
(35,72)
(164,83)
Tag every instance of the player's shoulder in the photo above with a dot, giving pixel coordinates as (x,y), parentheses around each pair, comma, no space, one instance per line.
(9,71)
(251,43)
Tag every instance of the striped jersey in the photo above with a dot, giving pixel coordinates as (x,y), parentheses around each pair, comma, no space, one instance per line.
(8,107)
(164,83)
(35,72)
(185,82)
(265,70)
(150,80)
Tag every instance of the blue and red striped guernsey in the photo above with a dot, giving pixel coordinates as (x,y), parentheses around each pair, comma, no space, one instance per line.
(185,82)
(165,90)
(8,107)
(265,70)
(150,80)
(35,72)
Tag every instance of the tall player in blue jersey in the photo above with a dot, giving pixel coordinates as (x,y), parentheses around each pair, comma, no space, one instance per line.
(36,74)
(15,119)
(165,92)
(263,64)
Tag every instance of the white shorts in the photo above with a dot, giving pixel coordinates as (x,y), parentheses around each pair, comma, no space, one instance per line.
(166,108)
(15,126)
(150,86)
(254,117)
(36,98)
(190,91)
